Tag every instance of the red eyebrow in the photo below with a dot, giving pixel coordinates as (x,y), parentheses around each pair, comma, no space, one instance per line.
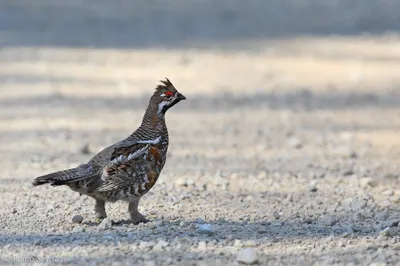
(168,93)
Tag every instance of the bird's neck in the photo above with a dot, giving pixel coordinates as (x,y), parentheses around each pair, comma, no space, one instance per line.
(153,124)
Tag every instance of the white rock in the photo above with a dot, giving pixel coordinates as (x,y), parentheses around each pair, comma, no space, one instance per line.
(105,224)
(367,181)
(250,243)
(388,193)
(238,243)
(205,229)
(143,244)
(312,187)
(329,220)
(160,245)
(247,256)
(202,246)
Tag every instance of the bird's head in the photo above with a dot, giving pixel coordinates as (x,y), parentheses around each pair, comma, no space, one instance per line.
(166,96)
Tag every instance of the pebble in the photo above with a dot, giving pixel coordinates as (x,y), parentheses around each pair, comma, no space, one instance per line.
(367,181)
(250,243)
(238,243)
(276,215)
(329,220)
(143,244)
(160,245)
(202,246)
(247,256)
(105,224)
(205,229)
(77,219)
(312,187)
(388,193)
(348,172)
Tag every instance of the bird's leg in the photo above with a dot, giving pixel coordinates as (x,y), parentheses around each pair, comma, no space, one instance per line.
(136,216)
(100,210)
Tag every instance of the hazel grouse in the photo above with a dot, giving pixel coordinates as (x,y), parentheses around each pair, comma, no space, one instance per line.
(129,168)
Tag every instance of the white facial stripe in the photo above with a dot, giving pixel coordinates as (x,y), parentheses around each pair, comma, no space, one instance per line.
(161,106)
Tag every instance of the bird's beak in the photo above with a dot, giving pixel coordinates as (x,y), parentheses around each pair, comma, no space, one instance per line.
(180,96)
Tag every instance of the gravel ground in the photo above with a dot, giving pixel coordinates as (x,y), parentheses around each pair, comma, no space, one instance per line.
(287,151)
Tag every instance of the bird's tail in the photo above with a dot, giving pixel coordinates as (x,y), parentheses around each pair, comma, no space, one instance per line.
(66,176)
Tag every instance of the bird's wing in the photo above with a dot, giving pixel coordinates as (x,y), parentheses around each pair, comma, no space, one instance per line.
(135,164)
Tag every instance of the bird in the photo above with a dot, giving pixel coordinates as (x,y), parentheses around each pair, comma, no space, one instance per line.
(127,169)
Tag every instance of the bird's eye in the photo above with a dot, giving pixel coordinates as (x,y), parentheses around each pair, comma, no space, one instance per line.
(167,94)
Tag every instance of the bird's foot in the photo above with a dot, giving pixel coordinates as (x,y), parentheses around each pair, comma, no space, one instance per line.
(137,218)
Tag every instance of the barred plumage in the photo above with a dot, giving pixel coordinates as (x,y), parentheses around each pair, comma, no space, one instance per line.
(129,168)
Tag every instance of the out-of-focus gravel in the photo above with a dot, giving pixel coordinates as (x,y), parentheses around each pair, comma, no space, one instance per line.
(284,155)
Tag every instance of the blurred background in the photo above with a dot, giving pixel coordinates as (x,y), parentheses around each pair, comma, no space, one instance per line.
(285,97)
(86,65)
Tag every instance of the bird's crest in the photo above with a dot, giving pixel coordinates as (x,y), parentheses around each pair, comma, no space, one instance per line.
(165,86)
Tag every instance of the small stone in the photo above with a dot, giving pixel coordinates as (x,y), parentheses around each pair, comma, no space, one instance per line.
(79,229)
(367,181)
(341,244)
(77,219)
(348,172)
(388,193)
(105,224)
(160,245)
(202,246)
(312,187)
(250,243)
(180,182)
(247,256)
(205,229)
(143,244)
(329,220)
(237,243)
